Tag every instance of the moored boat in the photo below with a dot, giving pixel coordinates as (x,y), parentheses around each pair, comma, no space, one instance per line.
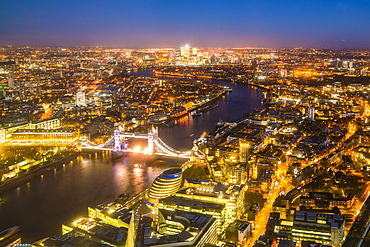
(220,123)
(196,114)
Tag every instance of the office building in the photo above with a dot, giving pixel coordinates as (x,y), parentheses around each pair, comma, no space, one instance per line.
(166,184)
(80,99)
(232,196)
(10,82)
(311,113)
(173,203)
(327,229)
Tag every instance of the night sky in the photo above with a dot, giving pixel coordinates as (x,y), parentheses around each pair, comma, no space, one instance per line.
(174,23)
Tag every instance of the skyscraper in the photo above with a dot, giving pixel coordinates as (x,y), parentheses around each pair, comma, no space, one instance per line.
(311,113)
(10,81)
(185,51)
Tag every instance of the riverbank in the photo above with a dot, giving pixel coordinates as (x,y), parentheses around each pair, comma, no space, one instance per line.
(64,193)
(231,106)
(28,176)
(205,77)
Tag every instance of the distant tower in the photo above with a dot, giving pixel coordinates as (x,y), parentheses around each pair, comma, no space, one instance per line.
(194,51)
(185,51)
(99,73)
(37,80)
(11,81)
(80,99)
(311,113)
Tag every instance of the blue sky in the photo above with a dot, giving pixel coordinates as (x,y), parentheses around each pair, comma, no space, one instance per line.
(203,23)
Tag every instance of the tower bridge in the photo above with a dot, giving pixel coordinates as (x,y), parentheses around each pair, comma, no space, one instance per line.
(156,146)
(117,143)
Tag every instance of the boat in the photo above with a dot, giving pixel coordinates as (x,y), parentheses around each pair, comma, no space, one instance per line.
(196,114)
(170,124)
(228,89)
(220,123)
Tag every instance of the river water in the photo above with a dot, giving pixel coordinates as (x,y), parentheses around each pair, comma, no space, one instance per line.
(63,194)
(243,99)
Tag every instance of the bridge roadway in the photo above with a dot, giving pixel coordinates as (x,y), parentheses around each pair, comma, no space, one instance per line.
(157,146)
(134,135)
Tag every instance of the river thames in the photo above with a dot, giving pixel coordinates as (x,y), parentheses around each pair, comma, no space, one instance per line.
(62,194)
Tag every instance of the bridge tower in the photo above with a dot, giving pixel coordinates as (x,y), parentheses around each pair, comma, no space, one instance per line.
(117,141)
(152,137)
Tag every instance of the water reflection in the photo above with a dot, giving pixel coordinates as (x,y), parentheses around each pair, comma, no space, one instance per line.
(64,192)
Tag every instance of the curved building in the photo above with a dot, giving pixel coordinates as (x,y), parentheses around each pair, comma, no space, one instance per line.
(166,184)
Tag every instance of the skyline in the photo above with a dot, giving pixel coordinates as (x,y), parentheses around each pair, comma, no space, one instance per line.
(129,24)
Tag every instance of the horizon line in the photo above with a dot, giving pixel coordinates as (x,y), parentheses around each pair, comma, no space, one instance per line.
(179,47)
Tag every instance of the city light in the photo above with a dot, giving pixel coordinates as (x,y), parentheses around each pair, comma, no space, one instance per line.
(306,147)
(137,149)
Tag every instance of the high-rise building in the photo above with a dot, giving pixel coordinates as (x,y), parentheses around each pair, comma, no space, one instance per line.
(237,173)
(80,99)
(311,113)
(185,51)
(10,81)
(194,51)
(244,157)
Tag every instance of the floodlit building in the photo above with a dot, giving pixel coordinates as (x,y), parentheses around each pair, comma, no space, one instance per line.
(238,231)
(179,203)
(166,184)
(232,196)
(178,228)
(80,99)
(185,51)
(311,113)
(44,136)
(115,217)
(327,229)
(10,82)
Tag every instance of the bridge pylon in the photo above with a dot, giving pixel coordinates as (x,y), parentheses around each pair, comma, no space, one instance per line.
(152,139)
(117,141)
